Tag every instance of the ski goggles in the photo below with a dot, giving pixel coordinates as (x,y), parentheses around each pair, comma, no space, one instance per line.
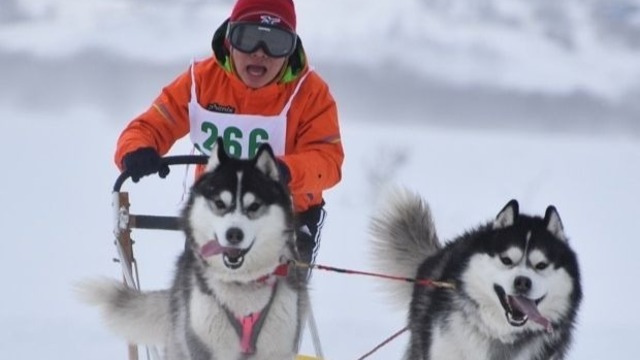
(274,41)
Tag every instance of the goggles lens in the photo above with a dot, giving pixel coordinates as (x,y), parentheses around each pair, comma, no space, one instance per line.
(274,41)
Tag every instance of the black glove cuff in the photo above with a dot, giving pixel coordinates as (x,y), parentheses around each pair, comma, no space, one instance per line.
(143,162)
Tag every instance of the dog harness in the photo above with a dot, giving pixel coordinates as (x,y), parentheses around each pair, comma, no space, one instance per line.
(248,327)
(247,131)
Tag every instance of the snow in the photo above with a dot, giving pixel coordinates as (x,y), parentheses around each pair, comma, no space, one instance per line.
(58,174)
(560,47)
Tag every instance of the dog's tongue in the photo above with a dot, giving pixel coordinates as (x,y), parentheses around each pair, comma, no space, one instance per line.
(211,248)
(529,308)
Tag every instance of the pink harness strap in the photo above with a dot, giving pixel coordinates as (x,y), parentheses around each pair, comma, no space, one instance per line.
(247,338)
(248,327)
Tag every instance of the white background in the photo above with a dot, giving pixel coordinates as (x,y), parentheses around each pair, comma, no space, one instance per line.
(76,71)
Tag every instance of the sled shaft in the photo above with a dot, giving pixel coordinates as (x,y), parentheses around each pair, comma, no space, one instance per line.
(123,236)
(154,222)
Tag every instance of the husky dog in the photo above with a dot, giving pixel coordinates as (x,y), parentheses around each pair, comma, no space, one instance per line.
(516,283)
(226,301)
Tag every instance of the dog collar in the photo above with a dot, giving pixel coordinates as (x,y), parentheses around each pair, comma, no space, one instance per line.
(281,270)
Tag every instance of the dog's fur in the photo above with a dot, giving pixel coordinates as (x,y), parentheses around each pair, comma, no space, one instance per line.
(239,228)
(501,270)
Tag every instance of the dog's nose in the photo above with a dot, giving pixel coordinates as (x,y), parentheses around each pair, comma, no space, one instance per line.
(522,284)
(234,235)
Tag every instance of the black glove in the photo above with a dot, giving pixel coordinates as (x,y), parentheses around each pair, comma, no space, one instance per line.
(143,162)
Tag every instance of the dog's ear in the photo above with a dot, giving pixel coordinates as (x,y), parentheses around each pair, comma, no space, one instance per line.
(266,162)
(507,216)
(554,224)
(218,155)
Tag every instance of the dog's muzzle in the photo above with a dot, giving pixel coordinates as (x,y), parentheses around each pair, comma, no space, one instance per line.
(519,309)
(232,257)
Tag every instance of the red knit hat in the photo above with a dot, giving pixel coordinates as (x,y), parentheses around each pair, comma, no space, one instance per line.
(281,13)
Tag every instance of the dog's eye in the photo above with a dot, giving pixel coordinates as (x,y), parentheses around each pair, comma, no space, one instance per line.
(219,204)
(541,265)
(253,207)
(506,261)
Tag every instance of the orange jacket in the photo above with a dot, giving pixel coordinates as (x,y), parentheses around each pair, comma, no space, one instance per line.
(313,149)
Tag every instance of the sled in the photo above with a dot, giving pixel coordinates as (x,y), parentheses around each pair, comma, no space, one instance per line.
(125,221)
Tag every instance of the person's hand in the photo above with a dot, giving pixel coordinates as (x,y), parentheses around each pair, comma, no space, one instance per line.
(143,162)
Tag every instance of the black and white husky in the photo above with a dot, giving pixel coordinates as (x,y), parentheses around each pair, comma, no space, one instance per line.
(225,301)
(517,283)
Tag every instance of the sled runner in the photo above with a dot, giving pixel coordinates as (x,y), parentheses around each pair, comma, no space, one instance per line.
(125,221)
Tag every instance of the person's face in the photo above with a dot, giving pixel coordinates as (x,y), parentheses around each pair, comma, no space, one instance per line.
(256,69)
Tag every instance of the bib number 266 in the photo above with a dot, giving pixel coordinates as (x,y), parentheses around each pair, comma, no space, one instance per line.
(234,140)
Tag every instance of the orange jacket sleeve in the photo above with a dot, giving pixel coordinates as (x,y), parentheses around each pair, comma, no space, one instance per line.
(161,125)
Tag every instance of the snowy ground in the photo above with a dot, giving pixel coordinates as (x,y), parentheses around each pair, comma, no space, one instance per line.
(58,178)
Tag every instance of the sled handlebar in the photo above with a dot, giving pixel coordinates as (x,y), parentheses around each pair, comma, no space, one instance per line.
(168,160)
